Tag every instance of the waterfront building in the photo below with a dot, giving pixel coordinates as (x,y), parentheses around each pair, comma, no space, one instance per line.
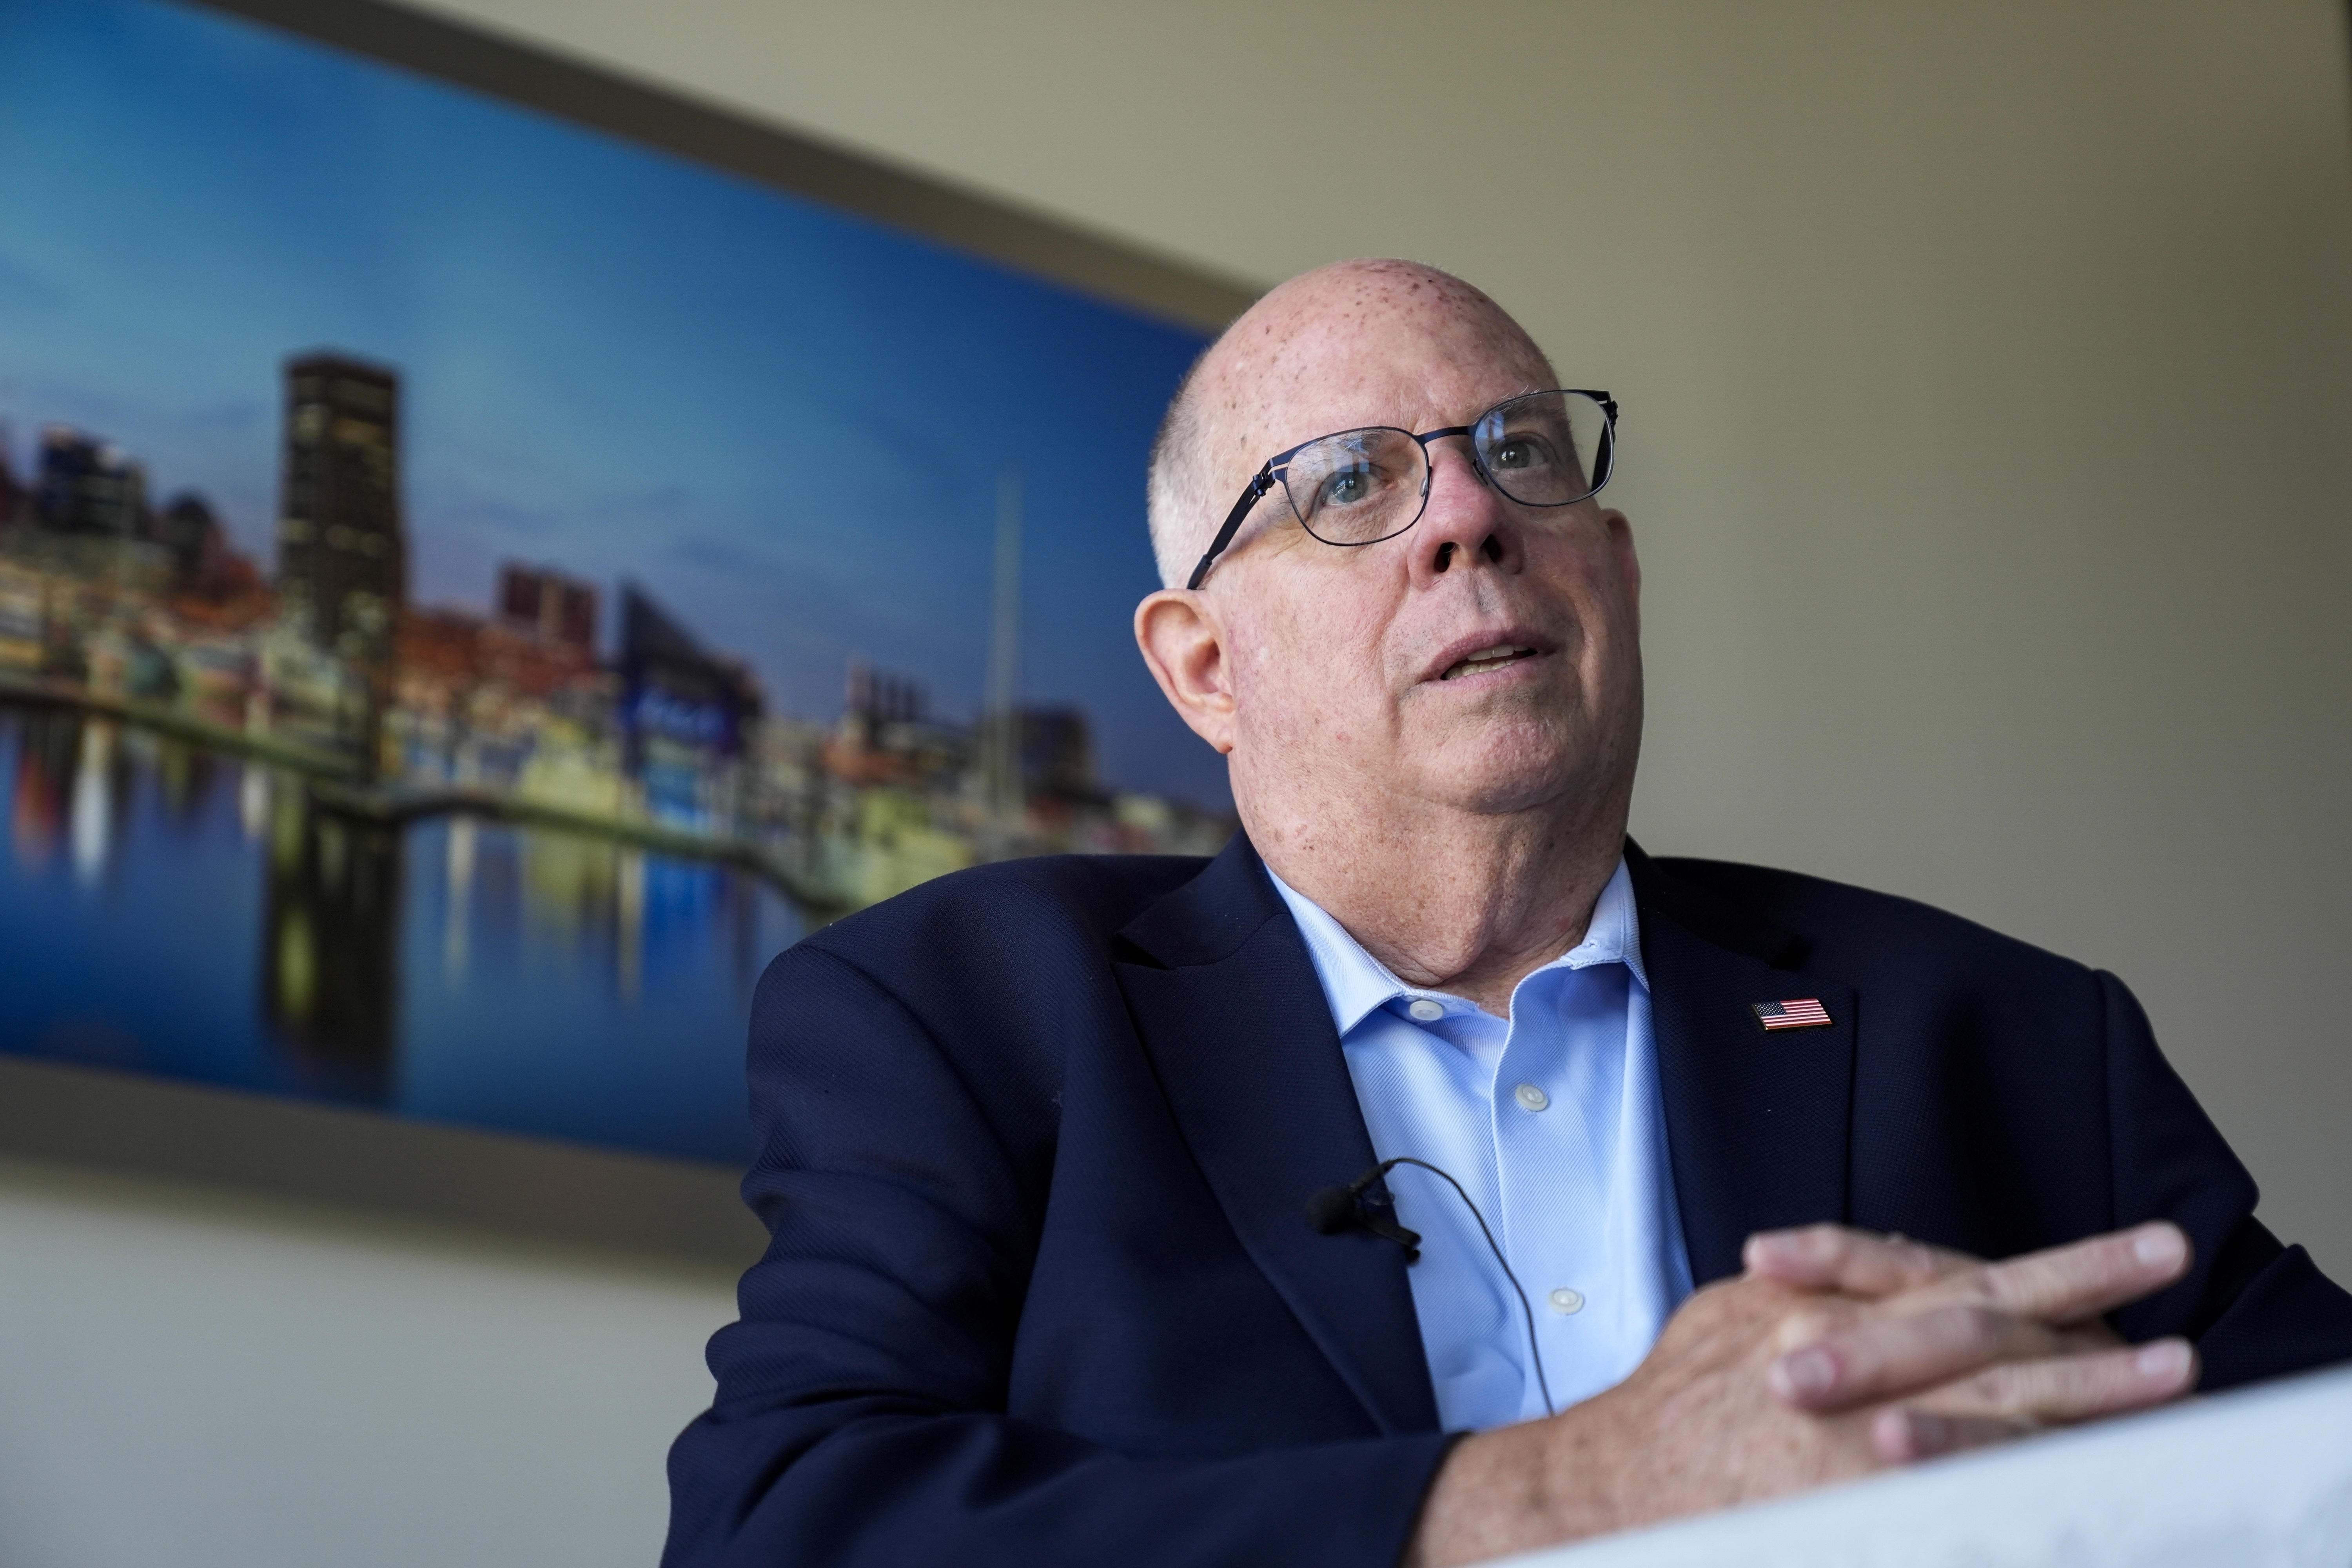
(685,717)
(24,620)
(343,554)
(88,486)
(1057,756)
(888,736)
(877,697)
(515,701)
(541,603)
(12,496)
(191,537)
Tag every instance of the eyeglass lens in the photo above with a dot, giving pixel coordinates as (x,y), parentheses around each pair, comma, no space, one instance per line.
(1547,448)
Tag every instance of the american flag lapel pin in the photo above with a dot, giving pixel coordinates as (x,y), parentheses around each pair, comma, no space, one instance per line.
(1805,1012)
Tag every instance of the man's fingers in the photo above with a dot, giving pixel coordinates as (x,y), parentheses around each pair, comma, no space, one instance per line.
(2068,1284)
(1883,1357)
(2022,1397)
(2059,1389)
(1900,1435)
(1838,1258)
(2074,1283)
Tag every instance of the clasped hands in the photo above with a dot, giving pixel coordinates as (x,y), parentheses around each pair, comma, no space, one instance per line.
(1836,1354)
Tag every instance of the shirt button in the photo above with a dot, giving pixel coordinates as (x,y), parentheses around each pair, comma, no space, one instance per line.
(1566,1302)
(1530,1098)
(1425,1011)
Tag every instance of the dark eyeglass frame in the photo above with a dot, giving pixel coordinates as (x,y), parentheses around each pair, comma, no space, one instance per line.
(1605,465)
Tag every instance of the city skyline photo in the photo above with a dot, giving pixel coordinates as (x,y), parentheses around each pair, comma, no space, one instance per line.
(790,419)
(473,588)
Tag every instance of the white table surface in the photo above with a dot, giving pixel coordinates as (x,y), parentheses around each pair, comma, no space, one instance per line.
(2260,1477)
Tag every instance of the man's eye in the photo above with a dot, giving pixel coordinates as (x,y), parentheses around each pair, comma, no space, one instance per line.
(1347,487)
(1521,452)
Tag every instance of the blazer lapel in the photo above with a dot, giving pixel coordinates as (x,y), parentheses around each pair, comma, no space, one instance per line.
(1757,1122)
(1237,1028)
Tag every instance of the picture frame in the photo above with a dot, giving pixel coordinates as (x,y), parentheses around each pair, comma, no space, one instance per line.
(357,714)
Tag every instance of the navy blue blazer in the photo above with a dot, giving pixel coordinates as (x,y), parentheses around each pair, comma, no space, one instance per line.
(1035,1142)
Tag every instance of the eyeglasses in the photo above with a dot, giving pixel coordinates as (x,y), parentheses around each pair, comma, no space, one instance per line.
(1358,487)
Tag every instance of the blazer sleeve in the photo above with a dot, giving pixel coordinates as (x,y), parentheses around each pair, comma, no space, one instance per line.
(860,1411)
(2254,1308)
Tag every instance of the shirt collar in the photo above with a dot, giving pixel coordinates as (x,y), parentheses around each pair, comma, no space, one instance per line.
(1355,983)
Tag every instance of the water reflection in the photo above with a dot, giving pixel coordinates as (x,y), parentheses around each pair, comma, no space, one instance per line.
(330,958)
(457,900)
(36,800)
(93,802)
(204,917)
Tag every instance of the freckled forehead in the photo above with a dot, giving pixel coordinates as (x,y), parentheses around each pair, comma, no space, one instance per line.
(1362,345)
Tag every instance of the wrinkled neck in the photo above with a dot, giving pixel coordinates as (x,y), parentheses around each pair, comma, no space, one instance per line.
(1451,899)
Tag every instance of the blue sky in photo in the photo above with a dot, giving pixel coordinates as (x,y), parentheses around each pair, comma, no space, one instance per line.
(785,422)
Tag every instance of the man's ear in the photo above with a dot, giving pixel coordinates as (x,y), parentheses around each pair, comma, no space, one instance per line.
(1629,565)
(1184,645)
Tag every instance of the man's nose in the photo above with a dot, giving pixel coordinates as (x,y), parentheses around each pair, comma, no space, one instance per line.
(1467,522)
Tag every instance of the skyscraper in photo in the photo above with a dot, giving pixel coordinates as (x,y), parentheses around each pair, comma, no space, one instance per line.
(88,486)
(342,555)
(542,602)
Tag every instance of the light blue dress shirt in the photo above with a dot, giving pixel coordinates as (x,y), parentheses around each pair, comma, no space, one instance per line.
(1551,1122)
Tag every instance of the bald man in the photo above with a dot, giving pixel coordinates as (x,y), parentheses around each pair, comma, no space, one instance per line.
(1432,1175)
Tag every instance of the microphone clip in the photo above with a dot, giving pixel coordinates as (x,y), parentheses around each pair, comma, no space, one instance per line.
(1363,1204)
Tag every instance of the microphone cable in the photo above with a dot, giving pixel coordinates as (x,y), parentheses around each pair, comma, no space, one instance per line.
(1335,1209)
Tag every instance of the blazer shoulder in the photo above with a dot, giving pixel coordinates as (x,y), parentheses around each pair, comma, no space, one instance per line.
(1857,931)
(1008,917)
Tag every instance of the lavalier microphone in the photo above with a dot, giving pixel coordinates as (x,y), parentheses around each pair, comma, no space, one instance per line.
(1335,1209)
(1359,1207)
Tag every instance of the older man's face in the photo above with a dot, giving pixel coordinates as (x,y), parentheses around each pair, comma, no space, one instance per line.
(1488,659)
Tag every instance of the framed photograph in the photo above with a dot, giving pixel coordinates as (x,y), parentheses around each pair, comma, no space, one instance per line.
(489,555)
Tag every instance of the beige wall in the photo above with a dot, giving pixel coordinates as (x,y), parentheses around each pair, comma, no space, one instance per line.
(1989,382)
(1989,372)
(197,1382)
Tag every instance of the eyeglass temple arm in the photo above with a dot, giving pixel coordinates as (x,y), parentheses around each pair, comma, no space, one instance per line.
(1259,484)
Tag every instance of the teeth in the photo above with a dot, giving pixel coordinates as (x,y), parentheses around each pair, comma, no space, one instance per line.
(1485,659)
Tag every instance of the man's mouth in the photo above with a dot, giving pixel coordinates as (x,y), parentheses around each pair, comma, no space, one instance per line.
(1487,658)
